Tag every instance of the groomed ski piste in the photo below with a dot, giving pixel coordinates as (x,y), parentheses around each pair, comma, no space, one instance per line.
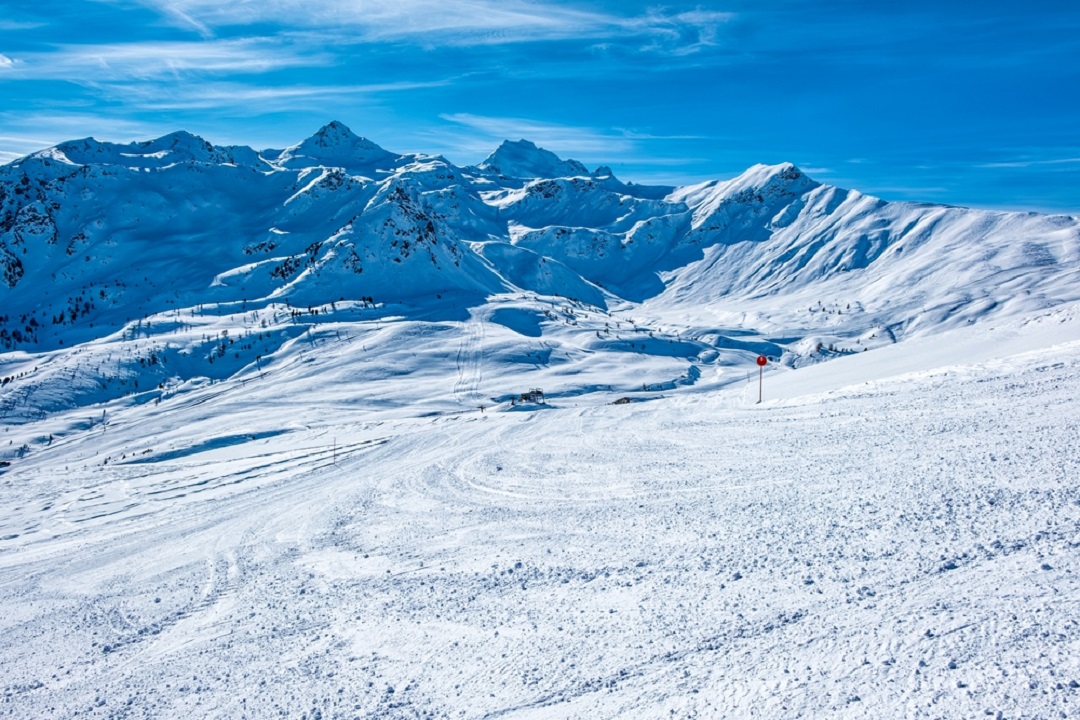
(890,544)
(353,507)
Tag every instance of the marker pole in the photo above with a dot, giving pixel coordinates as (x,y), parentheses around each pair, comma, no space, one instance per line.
(761,362)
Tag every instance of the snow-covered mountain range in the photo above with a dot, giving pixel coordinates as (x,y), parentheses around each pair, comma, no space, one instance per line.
(331,431)
(334,217)
(95,233)
(99,240)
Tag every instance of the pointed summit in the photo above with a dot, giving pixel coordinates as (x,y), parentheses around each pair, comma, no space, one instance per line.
(766,175)
(335,134)
(758,183)
(769,183)
(523,159)
(336,145)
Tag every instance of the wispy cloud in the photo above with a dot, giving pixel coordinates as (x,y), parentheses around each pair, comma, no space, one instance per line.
(682,33)
(148,60)
(1031,163)
(478,133)
(16,145)
(268,98)
(27,133)
(637,135)
(469,138)
(449,22)
(6,62)
(176,13)
(915,191)
(17,25)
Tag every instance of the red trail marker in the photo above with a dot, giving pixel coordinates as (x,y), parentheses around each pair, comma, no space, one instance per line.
(762,361)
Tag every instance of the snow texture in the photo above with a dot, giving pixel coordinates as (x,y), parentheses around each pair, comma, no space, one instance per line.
(334,432)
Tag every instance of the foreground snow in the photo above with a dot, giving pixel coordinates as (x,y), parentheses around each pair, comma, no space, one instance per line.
(884,540)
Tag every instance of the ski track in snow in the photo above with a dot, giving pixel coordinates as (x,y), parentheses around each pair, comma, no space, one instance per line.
(901,549)
(469,362)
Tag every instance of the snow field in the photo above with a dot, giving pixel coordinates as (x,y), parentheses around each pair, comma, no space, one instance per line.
(900,549)
(264,450)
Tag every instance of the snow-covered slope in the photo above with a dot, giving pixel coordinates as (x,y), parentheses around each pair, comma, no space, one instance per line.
(331,431)
(845,263)
(329,538)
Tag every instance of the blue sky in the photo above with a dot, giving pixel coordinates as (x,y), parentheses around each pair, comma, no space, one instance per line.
(952,102)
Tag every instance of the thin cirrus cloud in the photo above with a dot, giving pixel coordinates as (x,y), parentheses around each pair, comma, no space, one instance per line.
(439,22)
(477,133)
(468,138)
(277,98)
(149,60)
(14,146)
(1032,163)
(12,25)
(29,132)
(568,138)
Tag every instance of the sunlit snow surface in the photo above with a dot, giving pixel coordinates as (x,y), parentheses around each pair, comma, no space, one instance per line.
(882,544)
(264,450)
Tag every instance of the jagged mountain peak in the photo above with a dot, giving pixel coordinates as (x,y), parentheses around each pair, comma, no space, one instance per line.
(524,159)
(334,134)
(758,184)
(334,144)
(762,182)
(761,176)
(762,173)
(416,222)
